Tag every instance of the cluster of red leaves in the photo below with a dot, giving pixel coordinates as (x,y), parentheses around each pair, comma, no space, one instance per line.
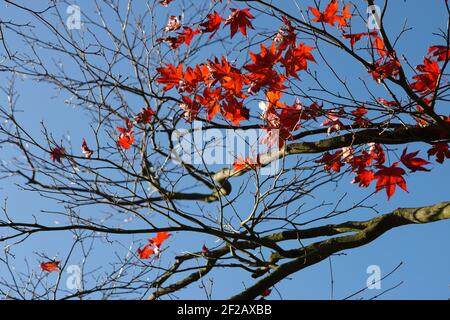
(386,66)
(239,20)
(330,16)
(184,36)
(218,87)
(370,165)
(50,266)
(154,246)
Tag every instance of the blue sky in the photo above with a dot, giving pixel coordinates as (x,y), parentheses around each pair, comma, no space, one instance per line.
(423,249)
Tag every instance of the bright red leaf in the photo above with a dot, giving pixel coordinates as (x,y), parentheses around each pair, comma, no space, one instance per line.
(154,246)
(441,151)
(171,76)
(390,177)
(126,137)
(363,177)
(239,20)
(413,163)
(426,82)
(212,24)
(328,16)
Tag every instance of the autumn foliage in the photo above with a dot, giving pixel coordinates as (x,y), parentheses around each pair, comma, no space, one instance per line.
(376,119)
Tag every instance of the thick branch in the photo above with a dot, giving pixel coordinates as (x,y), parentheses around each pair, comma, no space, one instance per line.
(319,251)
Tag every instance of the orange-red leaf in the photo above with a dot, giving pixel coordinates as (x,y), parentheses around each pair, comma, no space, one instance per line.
(171,76)
(329,15)
(212,24)
(50,266)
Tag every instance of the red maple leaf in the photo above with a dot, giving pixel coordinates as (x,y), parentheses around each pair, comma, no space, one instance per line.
(86,151)
(354,37)
(427,81)
(441,52)
(239,20)
(296,59)
(211,100)
(50,266)
(144,116)
(234,110)
(185,36)
(390,177)
(171,76)
(146,252)
(363,177)
(285,36)
(126,137)
(441,151)
(212,24)
(378,44)
(360,162)
(159,239)
(413,163)
(376,152)
(229,77)
(57,153)
(385,69)
(265,60)
(345,15)
(332,161)
(190,108)
(360,120)
(154,246)
(328,16)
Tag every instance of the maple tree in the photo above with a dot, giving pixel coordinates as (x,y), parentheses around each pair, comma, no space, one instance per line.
(342,108)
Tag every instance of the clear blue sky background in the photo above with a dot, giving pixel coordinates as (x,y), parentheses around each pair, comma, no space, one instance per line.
(423,249)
